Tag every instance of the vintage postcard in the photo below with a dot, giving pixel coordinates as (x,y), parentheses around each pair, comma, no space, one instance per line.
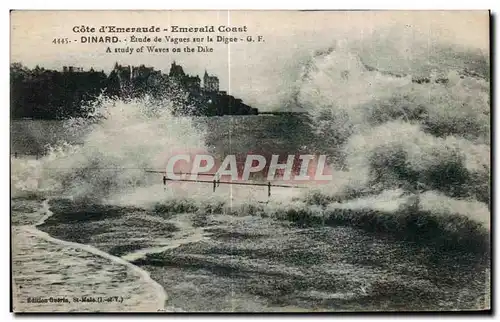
(250,161)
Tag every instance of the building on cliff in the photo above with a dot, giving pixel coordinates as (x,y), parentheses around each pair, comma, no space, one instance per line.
(72,69)
(193,96)
(176,71)
(190,83)
(210,83)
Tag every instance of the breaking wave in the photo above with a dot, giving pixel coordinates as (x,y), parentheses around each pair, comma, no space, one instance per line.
(412,155)
(122,138)
(429,133)
(435,222)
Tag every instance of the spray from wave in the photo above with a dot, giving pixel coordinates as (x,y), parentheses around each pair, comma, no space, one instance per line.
(121,139)
(411,150)
(422,138)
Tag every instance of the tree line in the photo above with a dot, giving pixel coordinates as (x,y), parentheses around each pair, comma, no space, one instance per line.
(49,94)
(41,93)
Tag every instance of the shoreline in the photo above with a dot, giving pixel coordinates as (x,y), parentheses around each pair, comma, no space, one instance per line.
(240,256)
(142,275)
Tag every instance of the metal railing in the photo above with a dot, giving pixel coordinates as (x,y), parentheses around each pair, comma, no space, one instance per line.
(216,182)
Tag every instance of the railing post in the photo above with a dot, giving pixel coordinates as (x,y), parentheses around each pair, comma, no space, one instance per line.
(269,189)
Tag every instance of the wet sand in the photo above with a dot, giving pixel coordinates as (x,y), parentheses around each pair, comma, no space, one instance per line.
(46,270)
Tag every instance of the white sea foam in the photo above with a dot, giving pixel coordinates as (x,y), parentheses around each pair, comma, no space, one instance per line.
(386,132)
